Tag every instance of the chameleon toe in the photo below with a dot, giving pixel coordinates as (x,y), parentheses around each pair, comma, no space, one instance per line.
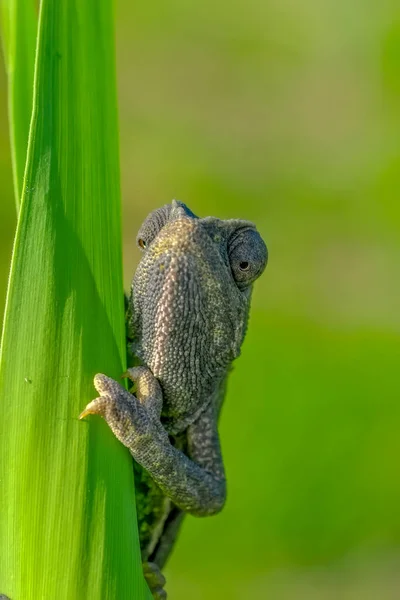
(95,407)
(155,580)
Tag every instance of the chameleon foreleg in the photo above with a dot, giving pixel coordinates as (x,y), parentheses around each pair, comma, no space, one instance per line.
(196,484)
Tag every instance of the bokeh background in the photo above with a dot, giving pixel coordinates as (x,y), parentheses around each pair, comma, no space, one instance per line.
(286,113)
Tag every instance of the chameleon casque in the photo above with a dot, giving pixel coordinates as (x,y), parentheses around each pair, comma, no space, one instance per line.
(186,320)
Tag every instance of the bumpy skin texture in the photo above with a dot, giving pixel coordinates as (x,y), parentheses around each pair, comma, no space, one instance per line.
(187,317)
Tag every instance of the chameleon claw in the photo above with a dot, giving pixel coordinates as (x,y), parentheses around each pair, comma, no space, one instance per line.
(95,407)
(132,373)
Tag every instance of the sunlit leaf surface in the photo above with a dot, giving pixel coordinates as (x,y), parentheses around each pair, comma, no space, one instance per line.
(18,29)
(67,512)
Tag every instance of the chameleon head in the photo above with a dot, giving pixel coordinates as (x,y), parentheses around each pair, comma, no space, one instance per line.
(190,300)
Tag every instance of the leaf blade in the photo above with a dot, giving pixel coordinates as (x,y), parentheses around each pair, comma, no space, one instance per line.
(68,502)
(19,29)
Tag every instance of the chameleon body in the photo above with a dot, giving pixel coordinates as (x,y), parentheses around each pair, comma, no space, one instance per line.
(186,318)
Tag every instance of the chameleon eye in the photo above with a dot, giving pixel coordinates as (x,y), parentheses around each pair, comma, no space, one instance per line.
(152,227)
(247,256)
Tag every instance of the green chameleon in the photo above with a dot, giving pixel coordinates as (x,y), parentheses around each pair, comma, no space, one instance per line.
(186,317)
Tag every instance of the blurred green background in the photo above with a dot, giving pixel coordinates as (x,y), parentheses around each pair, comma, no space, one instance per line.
(286,113)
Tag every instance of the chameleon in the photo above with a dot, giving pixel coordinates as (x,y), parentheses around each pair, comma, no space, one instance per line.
(186,318)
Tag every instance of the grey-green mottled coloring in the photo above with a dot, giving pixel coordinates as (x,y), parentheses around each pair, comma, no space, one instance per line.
(187,317)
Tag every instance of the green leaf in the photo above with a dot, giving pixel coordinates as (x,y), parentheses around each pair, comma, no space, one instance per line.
(19,28)
(67,512)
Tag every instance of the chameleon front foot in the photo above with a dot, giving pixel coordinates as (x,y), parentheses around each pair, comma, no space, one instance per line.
(155,580)
(133,419)
(126,416)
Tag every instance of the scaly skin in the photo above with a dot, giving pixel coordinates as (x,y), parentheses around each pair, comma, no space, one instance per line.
(187,316)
